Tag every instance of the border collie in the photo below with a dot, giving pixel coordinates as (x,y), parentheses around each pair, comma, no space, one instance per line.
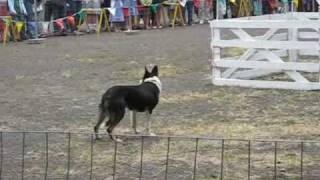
(140,98)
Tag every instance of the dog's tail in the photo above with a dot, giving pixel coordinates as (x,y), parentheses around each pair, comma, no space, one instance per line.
(103,106)
(103,113)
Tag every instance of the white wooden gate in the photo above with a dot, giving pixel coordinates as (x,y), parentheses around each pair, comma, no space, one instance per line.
(275,51)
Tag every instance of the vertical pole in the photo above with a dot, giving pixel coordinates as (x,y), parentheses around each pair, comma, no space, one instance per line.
(1,154)
(217,9)
(47,156)
(69,150)
(216,74)
(91,156)
(167,159)
(195,160)
(215,35)
(301,161)
(293,36)
(23,149)
(249,159)
(141,157)
(115,160)
(319,40)
(275,160)
(222,159)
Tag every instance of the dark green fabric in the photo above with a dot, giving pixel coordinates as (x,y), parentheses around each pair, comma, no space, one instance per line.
(154,8)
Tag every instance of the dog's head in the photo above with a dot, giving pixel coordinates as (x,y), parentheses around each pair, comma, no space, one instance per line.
(149,74)
(152,76)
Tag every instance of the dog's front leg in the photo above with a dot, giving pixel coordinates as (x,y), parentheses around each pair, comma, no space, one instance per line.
(148,114)
(133,118)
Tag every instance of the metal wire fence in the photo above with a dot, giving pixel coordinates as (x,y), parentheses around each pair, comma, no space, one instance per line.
(65,155)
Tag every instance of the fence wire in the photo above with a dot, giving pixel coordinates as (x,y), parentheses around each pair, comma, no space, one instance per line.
(66,155)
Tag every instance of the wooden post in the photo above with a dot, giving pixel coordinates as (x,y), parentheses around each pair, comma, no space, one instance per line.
(319,37)
(216,74)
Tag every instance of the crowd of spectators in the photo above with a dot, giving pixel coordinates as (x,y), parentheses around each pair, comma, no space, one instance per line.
(56,17)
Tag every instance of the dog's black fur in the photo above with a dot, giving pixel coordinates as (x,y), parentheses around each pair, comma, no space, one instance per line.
(139,98)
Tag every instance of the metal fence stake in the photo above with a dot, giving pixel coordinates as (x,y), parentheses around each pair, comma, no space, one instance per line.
(1,154)
(222,159)
(47,156)
(91,156)
(249,159)
(167,158)
(23,146)
(69,154)
(141,157)
(195,160)
(275,159)
(301,160)
(115,160)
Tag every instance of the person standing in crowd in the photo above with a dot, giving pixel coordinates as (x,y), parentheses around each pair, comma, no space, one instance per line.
(155,9)
(308,5)
(74,6)
(54,9)
(196,7)
(204,10)
(146,12)
(189,8)
(30,18)
(130,13)
(17,10)
(116,15)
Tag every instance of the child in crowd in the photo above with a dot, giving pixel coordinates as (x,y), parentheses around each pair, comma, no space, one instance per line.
(156,13)
(134,13)
(116,15)
(130,13)
(146,12)
(204,10)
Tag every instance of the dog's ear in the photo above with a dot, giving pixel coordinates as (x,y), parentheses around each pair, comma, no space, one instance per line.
(146,73)
(146,69)
(155,71)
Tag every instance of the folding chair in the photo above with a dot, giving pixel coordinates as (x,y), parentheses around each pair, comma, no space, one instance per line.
(177,12)
(101,12)
(7,26)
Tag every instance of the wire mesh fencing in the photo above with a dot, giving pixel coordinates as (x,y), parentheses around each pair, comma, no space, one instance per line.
(77,156)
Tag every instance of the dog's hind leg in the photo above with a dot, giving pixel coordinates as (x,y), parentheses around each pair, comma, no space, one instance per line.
(114,120)
(101,118)
(133,118)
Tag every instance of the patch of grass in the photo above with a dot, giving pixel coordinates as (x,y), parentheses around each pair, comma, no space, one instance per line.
(183,97)
(170,70)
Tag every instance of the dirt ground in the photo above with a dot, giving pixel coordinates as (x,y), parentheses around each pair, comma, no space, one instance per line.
(57,85)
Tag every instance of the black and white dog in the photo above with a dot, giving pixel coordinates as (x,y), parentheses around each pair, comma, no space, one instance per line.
(140,98)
